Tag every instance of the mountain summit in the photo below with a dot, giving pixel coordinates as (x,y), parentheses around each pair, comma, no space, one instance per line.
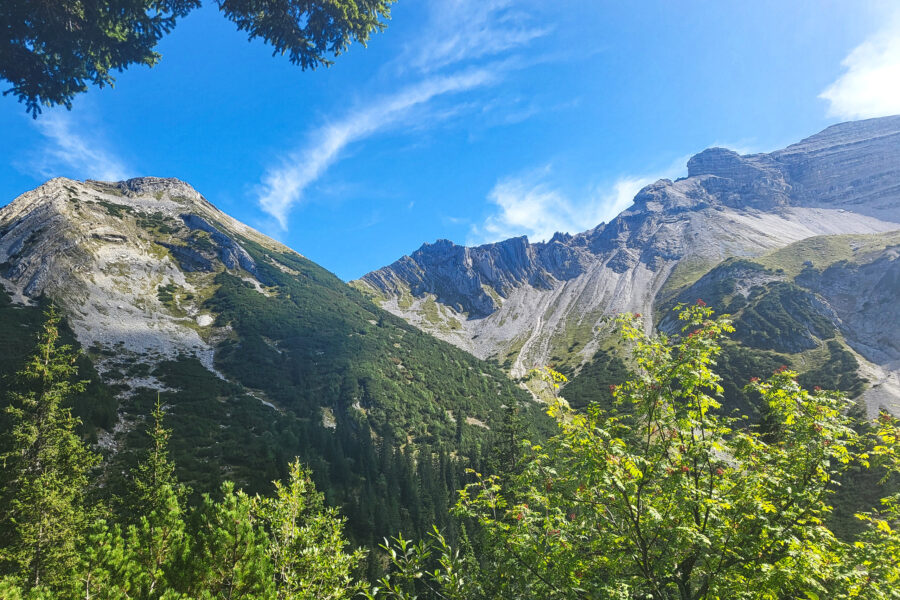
(128,261)
(258,354)
(528,304)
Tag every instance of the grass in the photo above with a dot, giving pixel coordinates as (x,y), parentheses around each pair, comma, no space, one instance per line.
(577,332)
(430,310)
(103,188)
(685,273)
(492,293)
(405,300)
(821,251)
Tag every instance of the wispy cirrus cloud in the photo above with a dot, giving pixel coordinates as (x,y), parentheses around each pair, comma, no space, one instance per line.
(283,185)
(528,204)
(464,30)
(465,45)
(870,84)
(72,149)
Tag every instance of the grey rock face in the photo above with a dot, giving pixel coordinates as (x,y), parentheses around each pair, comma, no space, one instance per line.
(231,253)
(853,166)
(189,259)
(104,252)
(865,300)
(514,299)
(459,276)
(740,181)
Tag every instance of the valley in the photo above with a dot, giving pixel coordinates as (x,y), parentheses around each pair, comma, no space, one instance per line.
(399,388)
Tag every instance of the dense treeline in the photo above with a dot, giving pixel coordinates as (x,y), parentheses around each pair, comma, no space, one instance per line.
(95,405)
(657,495)
(59,541)
(369,403)
(383,485)
(400,487)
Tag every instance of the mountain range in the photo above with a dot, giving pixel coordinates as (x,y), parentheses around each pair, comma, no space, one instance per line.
(391,386)
(257,353)
(525,304)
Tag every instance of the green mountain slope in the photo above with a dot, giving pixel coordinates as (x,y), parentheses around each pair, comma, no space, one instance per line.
(825,306)
(258,354)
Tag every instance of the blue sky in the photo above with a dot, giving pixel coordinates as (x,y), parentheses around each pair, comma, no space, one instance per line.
(473,120)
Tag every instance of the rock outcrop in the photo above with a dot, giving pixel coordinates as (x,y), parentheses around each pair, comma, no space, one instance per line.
(528,304)
(127,261)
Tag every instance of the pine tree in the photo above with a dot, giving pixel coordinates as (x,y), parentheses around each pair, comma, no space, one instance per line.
(229,553)
(43,513)
(107,567)
(306,542)
(157,542)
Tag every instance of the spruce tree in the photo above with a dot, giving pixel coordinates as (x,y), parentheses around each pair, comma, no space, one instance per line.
(506,453)
(43,513)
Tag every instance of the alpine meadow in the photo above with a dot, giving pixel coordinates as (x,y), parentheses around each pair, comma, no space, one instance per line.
(616,359)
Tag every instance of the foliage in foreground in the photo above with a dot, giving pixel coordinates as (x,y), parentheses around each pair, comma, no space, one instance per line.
(56,543)
(51,51)
(659,498)
(45,466)
(664,498)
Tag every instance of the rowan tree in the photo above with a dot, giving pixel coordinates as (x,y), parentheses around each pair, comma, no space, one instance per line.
(663,497)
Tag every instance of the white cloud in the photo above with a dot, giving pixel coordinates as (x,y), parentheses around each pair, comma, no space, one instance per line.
(283,186)
(528,205)
(461,30)
(73,151)
(870,86)
(457,33)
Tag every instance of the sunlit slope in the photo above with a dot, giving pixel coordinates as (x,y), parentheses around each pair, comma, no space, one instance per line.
(526,304)
(258,353)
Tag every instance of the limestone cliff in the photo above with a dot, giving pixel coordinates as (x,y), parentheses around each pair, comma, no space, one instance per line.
(527,304)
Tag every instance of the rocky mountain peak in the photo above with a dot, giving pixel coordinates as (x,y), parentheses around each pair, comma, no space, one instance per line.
(439,243)
(130,262)
(514,299)
(149,186)
(560,237)
(714,161)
